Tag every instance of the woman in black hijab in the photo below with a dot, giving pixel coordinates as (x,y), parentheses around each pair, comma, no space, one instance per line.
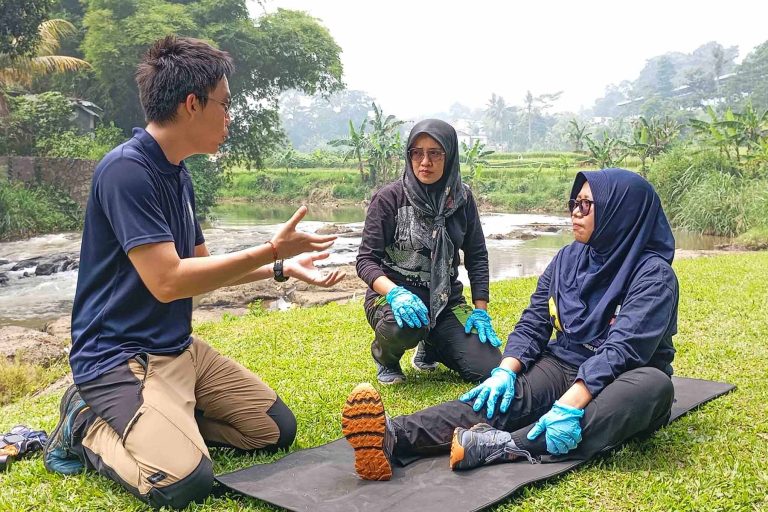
(610,300)
(409,258)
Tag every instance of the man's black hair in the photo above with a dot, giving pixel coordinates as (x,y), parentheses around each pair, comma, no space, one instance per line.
(175,67)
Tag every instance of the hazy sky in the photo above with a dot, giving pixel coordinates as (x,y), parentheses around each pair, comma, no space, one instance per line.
(418,57)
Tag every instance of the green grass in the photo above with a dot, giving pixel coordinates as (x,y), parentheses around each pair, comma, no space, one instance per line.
(516,182)
(712,459)
(28,211)
(754,239)
(18,378)
(295,185)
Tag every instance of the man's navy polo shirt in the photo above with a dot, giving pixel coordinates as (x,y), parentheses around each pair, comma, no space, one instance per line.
(137,197)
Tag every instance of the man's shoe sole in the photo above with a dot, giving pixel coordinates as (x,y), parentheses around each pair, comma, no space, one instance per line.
(63,406)
(364,425)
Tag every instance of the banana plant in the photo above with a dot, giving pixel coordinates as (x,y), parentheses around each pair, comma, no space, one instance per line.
(576,134)
(725,133)
(357,143)
(385,146)
(603,153)
(474,159)
(650,138)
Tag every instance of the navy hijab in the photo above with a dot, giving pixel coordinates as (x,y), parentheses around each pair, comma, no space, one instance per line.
(590,280)
(437,202)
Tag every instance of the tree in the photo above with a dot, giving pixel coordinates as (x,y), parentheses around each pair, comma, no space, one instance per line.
(311,121)
(723,133)
(33,118)
(18,72)
(665,73)
(751,77)
(277,52)
(497,114)
(535,106)
(19,22)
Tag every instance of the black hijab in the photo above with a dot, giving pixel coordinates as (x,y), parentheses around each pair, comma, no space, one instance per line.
(437,201)
(590,280)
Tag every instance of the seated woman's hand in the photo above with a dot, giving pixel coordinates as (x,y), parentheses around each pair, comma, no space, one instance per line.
(501,383)
(407,307)
(562,426)
(481,320)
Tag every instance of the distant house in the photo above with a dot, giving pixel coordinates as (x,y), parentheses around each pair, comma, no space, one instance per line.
(85,115)
(469,139)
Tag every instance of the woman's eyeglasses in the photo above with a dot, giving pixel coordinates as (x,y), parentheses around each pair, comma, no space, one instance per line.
(585,205)
(417,154)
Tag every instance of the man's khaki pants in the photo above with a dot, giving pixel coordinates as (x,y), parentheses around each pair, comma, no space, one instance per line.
(150,421)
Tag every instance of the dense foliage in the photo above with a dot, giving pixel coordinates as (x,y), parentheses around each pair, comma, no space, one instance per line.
(19,20)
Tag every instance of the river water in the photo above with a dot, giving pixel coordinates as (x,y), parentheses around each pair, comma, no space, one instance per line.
(32,301)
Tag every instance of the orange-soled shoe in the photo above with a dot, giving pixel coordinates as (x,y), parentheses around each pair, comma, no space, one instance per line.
(367,428)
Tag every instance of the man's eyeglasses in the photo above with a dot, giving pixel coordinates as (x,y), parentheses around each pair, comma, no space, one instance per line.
(585,205)
(417,154)
(226,104)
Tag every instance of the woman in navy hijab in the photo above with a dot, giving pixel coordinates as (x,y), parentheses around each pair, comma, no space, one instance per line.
(588,364)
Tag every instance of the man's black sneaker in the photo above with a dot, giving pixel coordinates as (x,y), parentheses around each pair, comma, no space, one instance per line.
(57,454)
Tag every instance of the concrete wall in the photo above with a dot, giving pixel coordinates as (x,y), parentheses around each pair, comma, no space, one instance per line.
(71,176)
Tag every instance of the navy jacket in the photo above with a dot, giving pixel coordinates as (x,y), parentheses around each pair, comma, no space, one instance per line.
(640,335)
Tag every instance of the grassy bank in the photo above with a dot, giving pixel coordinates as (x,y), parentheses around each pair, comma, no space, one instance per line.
(712,459)
(296,185)
(28,211)
(534,182)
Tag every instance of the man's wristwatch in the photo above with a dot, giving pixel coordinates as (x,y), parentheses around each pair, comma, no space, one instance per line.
(278,270)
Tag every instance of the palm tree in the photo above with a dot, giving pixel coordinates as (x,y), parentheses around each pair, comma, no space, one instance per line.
(497,113)
(18,73)
(536,105)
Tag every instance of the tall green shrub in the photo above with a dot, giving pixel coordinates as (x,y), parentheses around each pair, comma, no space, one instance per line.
(208,178)
(33,117)
(90,146)
(29,211)
(706,192)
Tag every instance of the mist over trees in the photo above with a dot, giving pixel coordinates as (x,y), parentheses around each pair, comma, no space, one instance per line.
(675,85)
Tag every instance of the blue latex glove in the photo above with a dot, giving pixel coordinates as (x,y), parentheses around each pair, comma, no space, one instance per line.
(481,320)
(407,307)
(501,383)
(562,426)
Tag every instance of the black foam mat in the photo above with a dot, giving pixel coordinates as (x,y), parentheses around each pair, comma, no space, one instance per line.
(324,479)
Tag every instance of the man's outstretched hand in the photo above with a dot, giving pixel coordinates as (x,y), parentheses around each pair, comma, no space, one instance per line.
(289,243)
(303,268)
